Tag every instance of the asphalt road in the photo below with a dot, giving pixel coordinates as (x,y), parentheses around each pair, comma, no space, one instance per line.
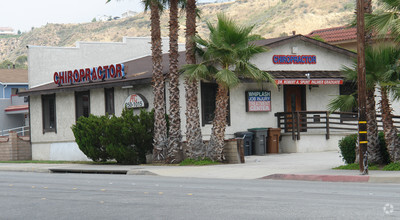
(25,195)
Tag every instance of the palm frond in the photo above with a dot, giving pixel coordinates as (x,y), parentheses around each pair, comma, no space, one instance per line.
(342,103)
(227,78)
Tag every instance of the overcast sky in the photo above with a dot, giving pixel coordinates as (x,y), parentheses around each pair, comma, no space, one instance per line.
(25,14)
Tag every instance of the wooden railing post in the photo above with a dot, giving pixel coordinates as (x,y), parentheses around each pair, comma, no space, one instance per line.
(293,131)
(298,125)
(327,125)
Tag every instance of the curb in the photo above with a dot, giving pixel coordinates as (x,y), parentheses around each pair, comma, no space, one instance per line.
(321,178)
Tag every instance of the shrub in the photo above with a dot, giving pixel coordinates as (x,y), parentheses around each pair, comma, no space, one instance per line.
(141,128)
(118,140)
(347,148)
(87,132)
(127,139)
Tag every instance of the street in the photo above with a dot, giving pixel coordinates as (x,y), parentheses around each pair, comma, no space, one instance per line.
(26,195)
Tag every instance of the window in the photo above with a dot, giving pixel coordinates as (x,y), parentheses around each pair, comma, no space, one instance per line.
(109,100)
(82,104)
(208,94)
(49,113)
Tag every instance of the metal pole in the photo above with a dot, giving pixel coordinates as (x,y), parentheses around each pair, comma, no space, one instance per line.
(362,119)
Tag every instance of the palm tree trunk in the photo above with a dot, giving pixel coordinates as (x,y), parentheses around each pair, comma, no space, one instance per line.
(391,138)
(175,136)
(374,154)
(160,124)
(216,145)
(195,145)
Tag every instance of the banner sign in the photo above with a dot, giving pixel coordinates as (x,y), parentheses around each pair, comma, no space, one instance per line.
(294,59)
(100,73)
(309,81)
(136,100)
(258,101)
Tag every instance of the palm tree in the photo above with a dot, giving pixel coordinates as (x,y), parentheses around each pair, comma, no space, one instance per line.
(380,60)
(175,135)
(387,20)
(195,145)
(160,140)
(225,58)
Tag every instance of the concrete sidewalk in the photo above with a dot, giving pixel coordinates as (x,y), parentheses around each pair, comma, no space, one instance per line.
(296,166)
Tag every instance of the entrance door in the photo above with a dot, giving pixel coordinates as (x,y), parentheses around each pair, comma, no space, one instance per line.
(295,100)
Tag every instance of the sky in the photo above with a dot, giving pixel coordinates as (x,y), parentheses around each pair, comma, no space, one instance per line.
(24,14)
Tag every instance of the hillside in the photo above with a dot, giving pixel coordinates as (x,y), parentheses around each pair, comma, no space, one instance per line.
(271,18)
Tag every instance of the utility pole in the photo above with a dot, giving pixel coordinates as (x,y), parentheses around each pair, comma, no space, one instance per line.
(362,118)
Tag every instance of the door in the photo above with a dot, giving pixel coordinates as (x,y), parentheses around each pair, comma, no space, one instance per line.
(295,100)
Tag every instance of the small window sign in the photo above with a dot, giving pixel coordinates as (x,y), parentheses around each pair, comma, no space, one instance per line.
(136,100)
(258,101)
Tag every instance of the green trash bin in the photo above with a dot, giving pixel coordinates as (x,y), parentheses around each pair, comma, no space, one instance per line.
(259,140)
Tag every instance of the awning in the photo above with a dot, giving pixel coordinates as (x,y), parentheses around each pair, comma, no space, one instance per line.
(309,81)
(17,109)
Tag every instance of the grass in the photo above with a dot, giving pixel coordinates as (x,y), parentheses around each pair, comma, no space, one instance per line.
(355,166)
(60,162)
(193,162)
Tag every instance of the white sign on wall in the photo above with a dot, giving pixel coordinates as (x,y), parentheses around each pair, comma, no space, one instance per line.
(136,100)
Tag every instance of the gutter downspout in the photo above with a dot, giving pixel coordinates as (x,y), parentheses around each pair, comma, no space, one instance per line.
(4,89)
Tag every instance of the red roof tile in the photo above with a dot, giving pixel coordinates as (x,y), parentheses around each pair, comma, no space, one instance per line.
(335,34)
(16,108)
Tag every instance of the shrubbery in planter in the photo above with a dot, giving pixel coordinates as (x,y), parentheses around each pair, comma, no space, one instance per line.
(87,131)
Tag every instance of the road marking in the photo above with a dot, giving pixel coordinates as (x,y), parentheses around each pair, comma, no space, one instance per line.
(190,194)
(10,185)
(45,187)
(160,193)
(146,192)
(101,202)
(43,198)
(103,190)
(33,187)
(74,188)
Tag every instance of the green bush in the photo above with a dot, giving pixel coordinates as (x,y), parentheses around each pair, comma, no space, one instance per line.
(347,148)
(87,132)
(118,140)
(127,139)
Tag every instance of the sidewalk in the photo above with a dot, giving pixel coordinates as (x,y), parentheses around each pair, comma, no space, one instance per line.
(296,166)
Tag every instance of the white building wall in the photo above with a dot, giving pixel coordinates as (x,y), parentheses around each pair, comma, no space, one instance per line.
(327,60)
(44,61)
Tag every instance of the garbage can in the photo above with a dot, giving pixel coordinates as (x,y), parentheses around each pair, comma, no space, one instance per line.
(247,141)
(260,140)
(273,140)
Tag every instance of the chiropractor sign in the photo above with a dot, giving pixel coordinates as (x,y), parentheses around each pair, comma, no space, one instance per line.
(99,73)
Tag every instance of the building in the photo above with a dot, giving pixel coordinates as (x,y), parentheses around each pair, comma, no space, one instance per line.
(64,85)
(128,14)
(54,140)
(6,31)
(13,109)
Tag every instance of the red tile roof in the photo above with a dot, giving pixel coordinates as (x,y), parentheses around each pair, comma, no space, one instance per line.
(16,108)
(335,34)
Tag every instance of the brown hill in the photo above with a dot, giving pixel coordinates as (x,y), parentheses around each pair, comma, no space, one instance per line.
(270,17)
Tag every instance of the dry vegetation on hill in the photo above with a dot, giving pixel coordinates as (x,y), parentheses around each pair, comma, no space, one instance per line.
(271,18)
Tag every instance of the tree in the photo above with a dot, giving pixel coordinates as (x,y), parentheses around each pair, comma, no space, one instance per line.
(175,135)
(385,21)
(225,58)
(381,72)
(160,125)
(195,145)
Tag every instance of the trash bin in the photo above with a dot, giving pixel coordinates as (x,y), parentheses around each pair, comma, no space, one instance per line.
(247,141)
(260,140)
(273,140)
